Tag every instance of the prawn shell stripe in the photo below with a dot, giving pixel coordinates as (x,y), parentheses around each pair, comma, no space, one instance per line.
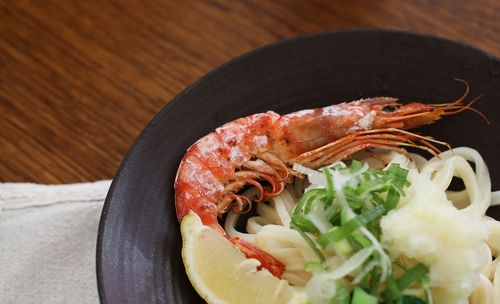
(246,137)
(196,188)
(196,176)
(212,152)
(202,206)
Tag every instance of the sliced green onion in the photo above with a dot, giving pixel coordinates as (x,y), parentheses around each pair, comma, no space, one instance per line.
(350,226)
(314,193)
(359,296)
(392,199)
(345,246)
(329,190)
(342,296)
(407,299)
(344,217)
(411,276)
(426,281)
(354,244)
(375,280)
(392,291)
(377,199)
(400,175)
(426,284)
(334,215)
(394,287)
(309,242)
(362,240)
(356,166)
(314,266)
(374,185)
(318,198)
(355,200)
(305,224)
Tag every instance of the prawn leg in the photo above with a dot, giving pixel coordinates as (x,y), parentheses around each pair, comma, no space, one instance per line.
(388,139)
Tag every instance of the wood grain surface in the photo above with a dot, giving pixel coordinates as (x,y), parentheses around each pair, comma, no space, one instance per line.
(79,80)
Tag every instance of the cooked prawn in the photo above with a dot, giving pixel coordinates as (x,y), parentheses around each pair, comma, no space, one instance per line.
(259,149)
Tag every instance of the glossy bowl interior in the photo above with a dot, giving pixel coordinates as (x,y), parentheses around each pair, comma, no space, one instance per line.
(139,243)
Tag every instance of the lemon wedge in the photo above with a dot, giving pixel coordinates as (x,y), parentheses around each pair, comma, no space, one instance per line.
(221,273)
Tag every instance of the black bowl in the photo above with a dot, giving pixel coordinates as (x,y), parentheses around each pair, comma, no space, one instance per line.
(139,242)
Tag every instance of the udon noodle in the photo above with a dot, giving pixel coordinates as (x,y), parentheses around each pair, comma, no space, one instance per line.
(270,229)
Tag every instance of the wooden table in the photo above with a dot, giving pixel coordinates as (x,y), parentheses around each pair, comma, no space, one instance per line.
(80,79)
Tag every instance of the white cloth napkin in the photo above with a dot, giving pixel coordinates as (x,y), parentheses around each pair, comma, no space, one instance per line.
(48,237)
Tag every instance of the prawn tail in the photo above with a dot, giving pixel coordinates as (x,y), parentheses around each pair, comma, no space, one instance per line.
(188,200)
(388,139)
(267,261)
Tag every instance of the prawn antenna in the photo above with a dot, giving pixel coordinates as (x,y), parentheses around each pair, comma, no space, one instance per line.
(457,106)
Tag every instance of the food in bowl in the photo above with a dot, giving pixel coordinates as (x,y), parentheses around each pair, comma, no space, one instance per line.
(352,247)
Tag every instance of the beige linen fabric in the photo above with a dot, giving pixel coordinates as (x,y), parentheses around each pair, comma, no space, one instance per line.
(48,239)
